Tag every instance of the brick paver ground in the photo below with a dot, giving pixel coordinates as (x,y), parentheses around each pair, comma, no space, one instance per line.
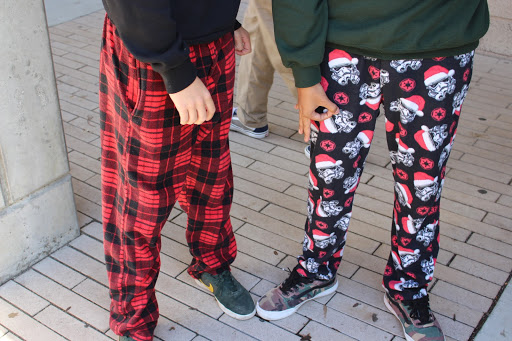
(65,297)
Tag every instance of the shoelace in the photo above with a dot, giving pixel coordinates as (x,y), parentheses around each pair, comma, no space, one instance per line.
(420,309)
(293,280)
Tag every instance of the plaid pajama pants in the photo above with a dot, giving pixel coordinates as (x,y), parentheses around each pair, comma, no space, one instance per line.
(149,161)
(422,100)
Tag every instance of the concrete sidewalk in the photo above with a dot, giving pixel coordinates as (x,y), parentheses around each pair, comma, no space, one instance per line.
(65,296)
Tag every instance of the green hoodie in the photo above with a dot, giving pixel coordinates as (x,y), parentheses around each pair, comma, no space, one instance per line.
(396,29)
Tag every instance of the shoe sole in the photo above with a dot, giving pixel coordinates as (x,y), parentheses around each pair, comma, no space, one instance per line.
(248,132)
(223,308)
(278,315)
(390,308)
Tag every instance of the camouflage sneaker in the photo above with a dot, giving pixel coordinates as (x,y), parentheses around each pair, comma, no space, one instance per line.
(237,125)
(418,321)
(287,298)
(231,296)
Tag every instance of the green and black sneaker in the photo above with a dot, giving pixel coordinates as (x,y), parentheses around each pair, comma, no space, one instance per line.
(231,296)
(125,338)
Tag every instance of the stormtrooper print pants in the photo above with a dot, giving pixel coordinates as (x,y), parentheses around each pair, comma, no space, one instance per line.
(422,99)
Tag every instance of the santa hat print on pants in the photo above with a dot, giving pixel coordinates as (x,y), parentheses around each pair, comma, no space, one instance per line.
(312,180)
(319,210)
(365,137)
(408,225)
(328,126)
(436,74)
(389,125)
(339,58)
(396,260)
(324,161)
(372,102)
(320,235)
(402,147)
(424,139)
(405,192)
(422,180)
(414,104)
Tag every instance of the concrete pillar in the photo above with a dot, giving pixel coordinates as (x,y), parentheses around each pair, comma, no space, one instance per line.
(37,210)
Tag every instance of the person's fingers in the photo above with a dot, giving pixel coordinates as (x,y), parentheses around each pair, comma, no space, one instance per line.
(183,115)
(321,117)
(306,126)
(192,115)
(201,113)
(330,106)
(210,108)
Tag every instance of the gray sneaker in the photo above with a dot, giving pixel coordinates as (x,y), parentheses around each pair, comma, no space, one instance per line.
(287,298)
(238,126)
(418,321)
(231,296)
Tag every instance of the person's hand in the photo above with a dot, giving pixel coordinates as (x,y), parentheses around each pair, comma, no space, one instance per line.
(242,42)
(308,100)
(194,103)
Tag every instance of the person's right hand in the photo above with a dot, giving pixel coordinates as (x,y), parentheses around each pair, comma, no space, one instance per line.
(194,103)
(308,100)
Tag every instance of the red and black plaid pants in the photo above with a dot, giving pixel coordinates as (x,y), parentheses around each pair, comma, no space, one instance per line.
(149,161)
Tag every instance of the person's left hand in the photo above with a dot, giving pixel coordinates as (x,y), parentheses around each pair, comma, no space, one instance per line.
(242,42)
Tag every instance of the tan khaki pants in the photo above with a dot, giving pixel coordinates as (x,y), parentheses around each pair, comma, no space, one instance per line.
(256,70)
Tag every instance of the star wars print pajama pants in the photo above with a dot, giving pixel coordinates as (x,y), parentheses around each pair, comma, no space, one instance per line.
(422,99)
(149,161)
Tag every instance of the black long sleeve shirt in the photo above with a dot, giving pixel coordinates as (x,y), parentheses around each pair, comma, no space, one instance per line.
(160,31)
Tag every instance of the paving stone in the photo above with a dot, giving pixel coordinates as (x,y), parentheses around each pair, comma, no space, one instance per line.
(466,281)
(84,264)
(197,321)
(259,329)
(248,200)
(94,292)
(492,245)
(9,337)
(267,223)
(79,172)
(170,330)
(319,331)
(68,326)
(83,219)
(462,296)
(22,298)
(23,325)
(270,195)
(479,270)
(89,246)
(259,178)
(380,318)
(60,273)
(292,218)
(342,322)
(88,208)
(65,299)
(498,221)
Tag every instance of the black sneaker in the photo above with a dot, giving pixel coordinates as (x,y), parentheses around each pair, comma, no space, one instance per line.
(236,125)
(231,296)
(287,298)
(418,321)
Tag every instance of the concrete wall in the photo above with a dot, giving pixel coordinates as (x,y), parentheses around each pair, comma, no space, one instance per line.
(499,37)
(37,211)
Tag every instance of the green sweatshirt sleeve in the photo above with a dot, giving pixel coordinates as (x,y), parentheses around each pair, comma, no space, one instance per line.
(300,28)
